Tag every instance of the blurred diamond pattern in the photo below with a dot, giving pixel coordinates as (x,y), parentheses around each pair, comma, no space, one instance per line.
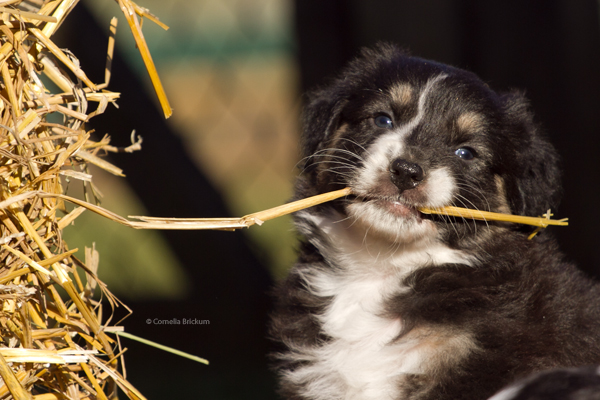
(230,75)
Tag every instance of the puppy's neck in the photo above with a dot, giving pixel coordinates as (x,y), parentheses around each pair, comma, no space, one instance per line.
(354,248)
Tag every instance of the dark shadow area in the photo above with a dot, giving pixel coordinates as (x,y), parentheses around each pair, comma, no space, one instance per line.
(229,283)
(548,49)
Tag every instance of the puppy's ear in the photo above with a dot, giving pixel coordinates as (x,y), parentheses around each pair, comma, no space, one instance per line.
(320,119)
(533,183)
(322,114)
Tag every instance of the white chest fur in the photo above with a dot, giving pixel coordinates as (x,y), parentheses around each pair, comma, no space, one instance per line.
(364,359)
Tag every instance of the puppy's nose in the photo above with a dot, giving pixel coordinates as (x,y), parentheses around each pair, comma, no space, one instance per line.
(405,175)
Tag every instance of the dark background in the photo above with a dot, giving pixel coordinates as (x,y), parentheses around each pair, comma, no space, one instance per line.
(549,49)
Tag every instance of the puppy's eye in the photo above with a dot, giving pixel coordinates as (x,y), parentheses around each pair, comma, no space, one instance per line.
(383,121)
(465,153)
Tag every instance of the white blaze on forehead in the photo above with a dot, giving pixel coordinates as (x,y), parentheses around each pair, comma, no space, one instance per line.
(391,145)
(408,127)
(423,97)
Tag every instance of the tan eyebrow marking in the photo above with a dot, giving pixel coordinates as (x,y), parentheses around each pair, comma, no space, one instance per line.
(470,122)
(503,207)
(335,137)
(402,94)
(328,153)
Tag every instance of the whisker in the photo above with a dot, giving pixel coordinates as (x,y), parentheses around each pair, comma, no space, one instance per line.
(330,151)
(467,222)
(355,143)
(474,207)
(326,153)
(471,189)
(440,210)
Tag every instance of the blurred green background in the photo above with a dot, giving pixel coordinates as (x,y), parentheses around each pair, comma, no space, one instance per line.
(229,73)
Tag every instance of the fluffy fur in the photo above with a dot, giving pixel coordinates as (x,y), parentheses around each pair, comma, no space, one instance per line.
(387,303)
(560,384)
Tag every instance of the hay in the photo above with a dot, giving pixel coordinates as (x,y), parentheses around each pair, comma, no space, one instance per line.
(261,216)
(467,213)
(279,211)
(53,345)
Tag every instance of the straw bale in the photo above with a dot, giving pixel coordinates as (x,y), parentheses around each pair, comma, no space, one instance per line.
(52,346)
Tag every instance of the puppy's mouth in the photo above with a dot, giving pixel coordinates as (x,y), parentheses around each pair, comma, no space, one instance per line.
(395,207)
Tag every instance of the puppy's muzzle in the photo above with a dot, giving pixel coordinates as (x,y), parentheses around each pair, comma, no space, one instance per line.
(405,175)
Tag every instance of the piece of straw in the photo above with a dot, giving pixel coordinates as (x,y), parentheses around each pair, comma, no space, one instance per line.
(129,11)
(162,347)
(265,215)
(11,381)
(28,15)
(200,223)
(492,216)
(58,53)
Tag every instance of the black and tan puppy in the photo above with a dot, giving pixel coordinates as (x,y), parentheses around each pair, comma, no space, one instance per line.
(387,303)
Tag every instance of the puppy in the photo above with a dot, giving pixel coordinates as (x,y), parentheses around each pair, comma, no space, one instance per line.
(387,303)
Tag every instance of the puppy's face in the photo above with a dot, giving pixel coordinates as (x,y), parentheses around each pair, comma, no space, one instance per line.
(405,133)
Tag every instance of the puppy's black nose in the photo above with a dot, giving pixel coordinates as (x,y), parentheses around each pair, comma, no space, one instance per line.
(405,175)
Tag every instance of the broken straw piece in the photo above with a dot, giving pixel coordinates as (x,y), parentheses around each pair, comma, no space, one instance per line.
(492,216)
(448,210)
(129,12)
(295,206)
(246,221)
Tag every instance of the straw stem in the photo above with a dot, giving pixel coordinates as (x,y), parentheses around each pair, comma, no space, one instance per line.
(11,381)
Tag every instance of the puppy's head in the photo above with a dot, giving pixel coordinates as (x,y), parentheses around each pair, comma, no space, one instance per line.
(404,132)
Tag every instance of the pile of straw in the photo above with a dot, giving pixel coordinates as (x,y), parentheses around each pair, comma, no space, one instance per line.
(55,340)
